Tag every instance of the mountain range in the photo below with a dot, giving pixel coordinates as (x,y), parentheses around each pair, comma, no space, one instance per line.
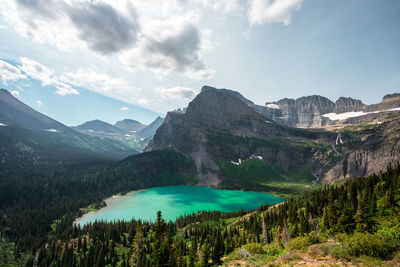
(224,132)
(130,132)
(26,133)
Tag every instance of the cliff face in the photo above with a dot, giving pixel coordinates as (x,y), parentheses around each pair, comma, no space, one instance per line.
(318,111)
(346,104)
(374,149)
(222,126)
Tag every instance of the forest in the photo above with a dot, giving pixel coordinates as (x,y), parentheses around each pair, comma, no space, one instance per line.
(355,221)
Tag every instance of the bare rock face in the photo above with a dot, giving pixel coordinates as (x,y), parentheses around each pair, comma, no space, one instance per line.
(304,112)
(311,111)
(221,125)
(346,104)
(373,155)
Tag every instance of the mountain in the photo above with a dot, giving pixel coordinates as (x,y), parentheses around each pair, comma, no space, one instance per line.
(147,132)
(220,127)
(27,130)
(13,111)
(318,111)
(130,125)
(123,131)
(234,144)
(99,127)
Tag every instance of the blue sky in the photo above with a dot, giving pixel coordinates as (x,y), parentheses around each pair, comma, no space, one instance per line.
(79,60)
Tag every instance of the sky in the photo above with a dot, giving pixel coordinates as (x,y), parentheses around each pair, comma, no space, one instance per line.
(79,60)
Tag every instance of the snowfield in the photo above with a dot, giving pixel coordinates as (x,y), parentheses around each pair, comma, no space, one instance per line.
(353,114)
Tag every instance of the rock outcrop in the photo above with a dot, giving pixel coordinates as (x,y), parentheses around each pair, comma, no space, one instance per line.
(221,125)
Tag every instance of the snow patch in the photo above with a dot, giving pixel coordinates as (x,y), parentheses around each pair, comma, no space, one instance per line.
(2,124)
(274,106)
(343,116)
(353,114)
(237,163)
(256,157)
(52,130)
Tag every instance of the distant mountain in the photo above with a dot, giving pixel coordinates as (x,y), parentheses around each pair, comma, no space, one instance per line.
(130,125)
(148,131)
(15,112)
(25,129)
(123,131)
(235,143)
(98,126)
(318,111)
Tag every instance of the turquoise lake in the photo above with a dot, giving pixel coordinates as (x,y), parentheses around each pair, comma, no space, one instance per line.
(174,201)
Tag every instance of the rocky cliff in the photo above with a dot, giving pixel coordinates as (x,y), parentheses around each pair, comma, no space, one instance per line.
(222,127)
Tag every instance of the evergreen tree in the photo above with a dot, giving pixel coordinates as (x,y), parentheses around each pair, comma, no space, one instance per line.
(137,246)
(346,221)
(193,253)
(206,255)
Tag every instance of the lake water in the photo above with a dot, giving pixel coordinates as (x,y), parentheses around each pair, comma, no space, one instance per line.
(174,201)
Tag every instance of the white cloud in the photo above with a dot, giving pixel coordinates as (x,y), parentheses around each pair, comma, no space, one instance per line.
(99,82)
(231,7)
(125,108)
(176,92)
(37,71)
(9,72)
(269,11)
(171,45)
(96,25)
(39,103)
(2,27)
(15,93)
(161,36)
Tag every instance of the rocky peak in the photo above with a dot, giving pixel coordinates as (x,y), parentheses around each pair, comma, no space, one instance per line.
(346,104)
(231,92)
(218,107)
(129,125)
(391,97)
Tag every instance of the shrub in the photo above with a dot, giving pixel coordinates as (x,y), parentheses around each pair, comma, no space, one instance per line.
(274,250)
(315,238)
(373,245)
(298,243)
(254,248)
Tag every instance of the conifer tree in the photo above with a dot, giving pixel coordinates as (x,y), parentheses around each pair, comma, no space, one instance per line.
(206,255)
(137,246)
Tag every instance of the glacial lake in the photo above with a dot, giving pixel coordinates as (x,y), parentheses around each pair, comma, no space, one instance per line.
(174,201)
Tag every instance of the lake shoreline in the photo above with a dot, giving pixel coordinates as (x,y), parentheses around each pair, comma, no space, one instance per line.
(108,202)
(176,201)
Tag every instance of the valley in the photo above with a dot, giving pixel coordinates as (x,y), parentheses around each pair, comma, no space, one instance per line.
(207,166)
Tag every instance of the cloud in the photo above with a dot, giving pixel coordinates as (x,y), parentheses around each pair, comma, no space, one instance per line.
(99,82)
(94,24)
(9,72)
(125,108)
(224,7)
(176,92)
(103,28)
(39,103)
(39,72)
(160,36)
(270,11)
(15,93)
(174,50)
